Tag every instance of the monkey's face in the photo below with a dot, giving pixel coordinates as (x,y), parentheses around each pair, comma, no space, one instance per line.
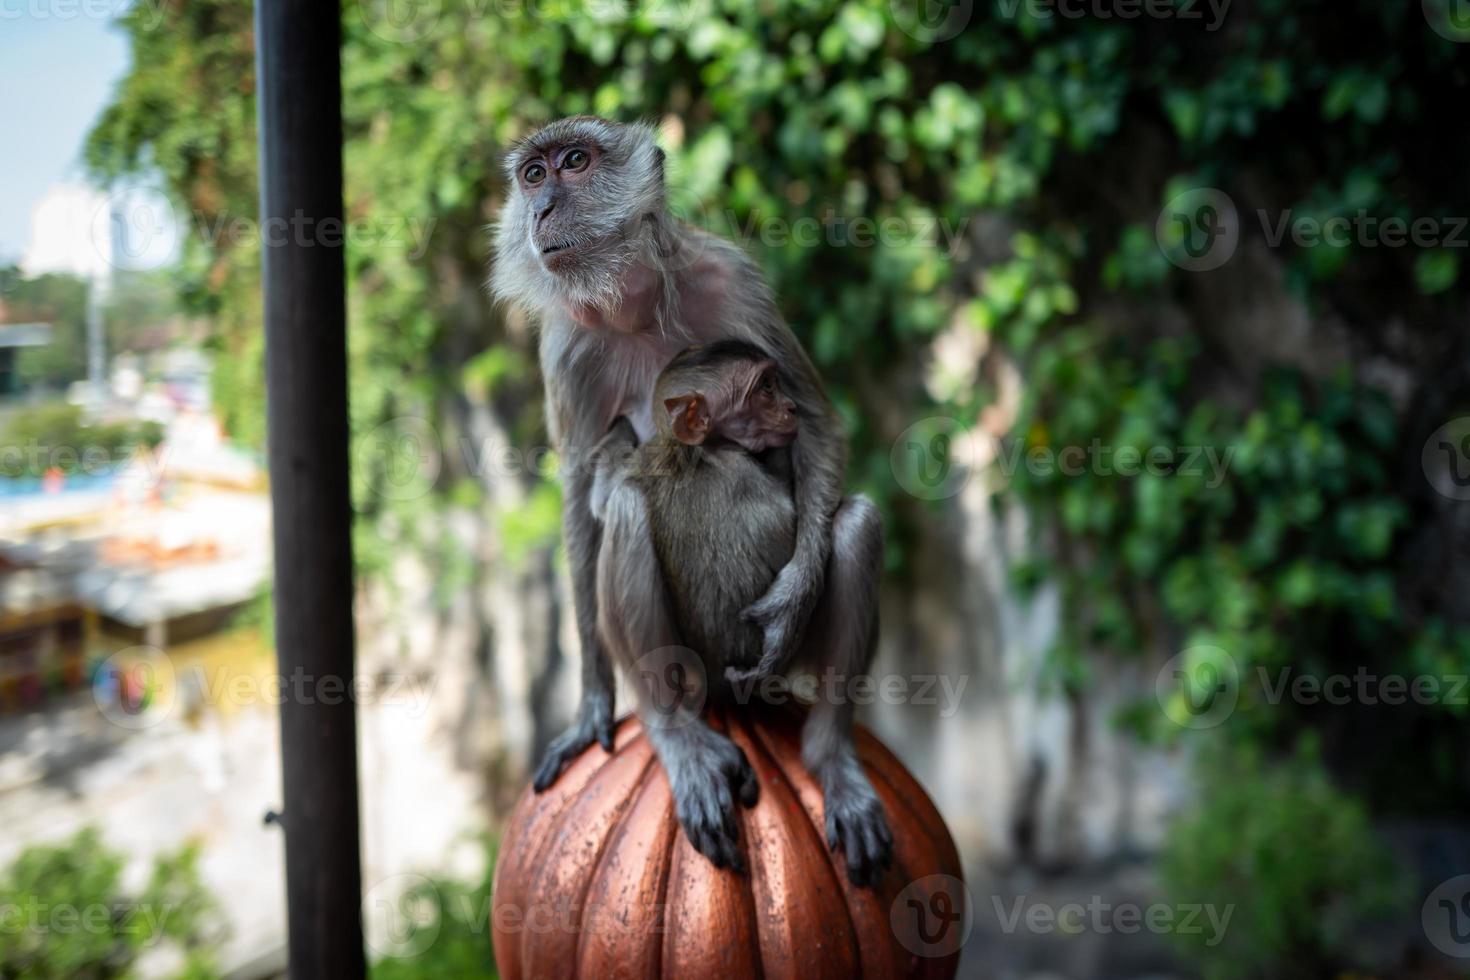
(554,181)
(572,224)
(763,417)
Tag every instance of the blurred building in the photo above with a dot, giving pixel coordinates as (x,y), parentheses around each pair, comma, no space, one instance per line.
(71,233)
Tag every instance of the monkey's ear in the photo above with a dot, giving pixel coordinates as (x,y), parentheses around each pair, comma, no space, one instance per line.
(689,417)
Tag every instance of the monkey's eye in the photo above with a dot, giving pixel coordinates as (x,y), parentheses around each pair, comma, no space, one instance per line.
(534,174)
(768,384)
(575,160)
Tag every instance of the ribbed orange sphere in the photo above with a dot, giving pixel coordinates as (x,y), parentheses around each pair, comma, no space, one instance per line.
(597,880)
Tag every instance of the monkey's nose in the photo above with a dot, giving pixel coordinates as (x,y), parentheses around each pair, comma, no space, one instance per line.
(543,212)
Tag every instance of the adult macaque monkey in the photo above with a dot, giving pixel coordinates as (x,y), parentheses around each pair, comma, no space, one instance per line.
(586,243)
(697,523)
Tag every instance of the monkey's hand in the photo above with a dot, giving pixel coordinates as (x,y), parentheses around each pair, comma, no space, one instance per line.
(782,614)
(594,723)
(706,776)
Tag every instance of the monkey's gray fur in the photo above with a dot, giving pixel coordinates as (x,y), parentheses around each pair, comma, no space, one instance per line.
(620,287)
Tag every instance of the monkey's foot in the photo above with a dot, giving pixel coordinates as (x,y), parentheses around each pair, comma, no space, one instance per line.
(707,772)
(857,825)
(594,724)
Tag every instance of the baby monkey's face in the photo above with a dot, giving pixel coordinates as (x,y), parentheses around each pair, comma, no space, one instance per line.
(745,405)
(764,418)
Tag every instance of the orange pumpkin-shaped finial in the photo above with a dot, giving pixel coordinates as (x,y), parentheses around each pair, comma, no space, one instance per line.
(596,879)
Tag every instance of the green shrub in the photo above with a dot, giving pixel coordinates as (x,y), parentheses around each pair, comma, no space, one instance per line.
(55,435)
(447,930)
(65,914)
(1293,855)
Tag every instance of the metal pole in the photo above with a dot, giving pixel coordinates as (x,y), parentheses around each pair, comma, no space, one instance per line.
(299,96)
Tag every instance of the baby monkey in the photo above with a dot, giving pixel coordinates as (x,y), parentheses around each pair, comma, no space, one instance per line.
(697,524)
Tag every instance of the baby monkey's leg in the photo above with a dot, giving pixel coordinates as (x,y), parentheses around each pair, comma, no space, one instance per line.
(838,648)
(707,771)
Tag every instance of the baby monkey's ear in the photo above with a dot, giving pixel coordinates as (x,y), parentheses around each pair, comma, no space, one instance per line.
(689,417)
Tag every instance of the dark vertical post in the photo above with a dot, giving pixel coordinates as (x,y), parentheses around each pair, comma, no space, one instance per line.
(300,92)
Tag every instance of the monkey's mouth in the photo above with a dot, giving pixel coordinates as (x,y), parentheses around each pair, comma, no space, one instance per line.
(557,247)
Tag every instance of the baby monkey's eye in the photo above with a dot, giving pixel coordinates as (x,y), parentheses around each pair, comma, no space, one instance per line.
(534,174)
(575,160)
(768,383)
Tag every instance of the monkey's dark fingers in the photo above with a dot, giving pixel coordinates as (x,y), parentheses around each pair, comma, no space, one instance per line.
(746,782)
(858,827)
(605,735)
(722,851)
(709,824)
(596,715)
(551,766)
(750,787)
(566,747)
(878,840)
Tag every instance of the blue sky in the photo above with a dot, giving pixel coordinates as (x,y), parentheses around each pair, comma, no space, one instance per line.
(56,74)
